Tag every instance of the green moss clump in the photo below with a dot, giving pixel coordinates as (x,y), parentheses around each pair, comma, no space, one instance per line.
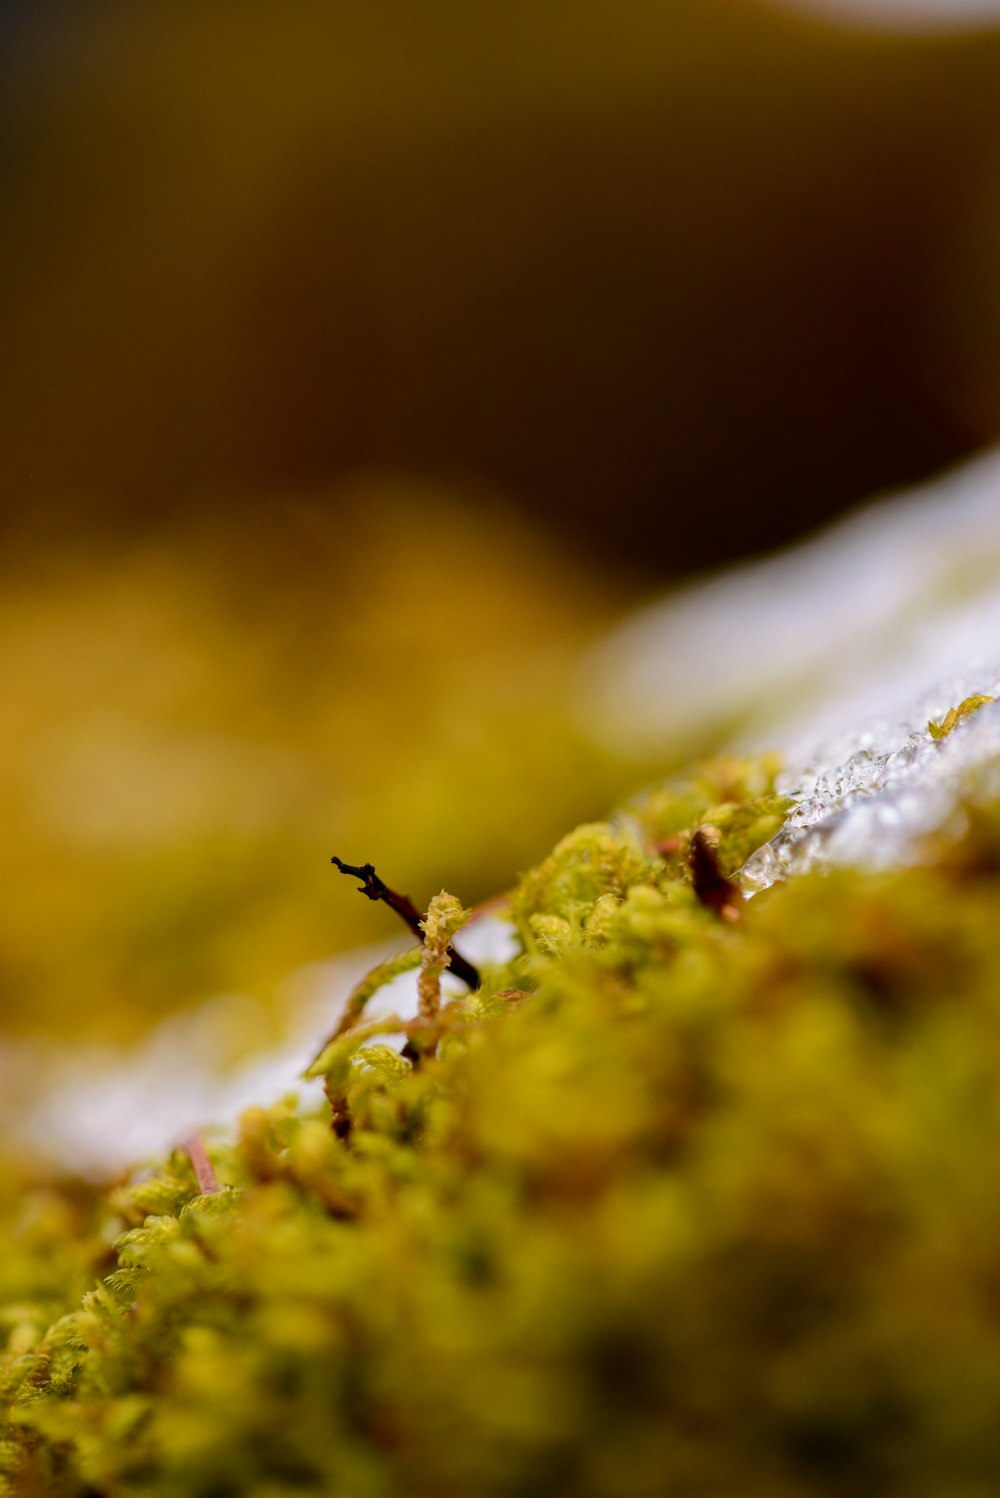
(669,1205)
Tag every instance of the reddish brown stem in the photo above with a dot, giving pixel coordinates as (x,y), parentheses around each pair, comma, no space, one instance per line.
(204,1174)
(710,884)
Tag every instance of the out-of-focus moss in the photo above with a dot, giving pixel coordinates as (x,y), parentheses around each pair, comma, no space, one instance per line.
(194,720)
(674,1206)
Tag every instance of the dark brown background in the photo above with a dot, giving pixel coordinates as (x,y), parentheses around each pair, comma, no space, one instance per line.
(682,279)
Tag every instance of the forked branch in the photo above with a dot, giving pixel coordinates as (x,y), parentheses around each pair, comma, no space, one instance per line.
(376,889)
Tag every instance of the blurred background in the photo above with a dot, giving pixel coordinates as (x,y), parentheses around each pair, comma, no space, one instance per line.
(362,362)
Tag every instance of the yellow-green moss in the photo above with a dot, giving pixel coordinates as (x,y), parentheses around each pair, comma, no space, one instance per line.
(676,1207)
(955,714)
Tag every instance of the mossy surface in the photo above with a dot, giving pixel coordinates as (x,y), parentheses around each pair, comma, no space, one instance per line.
(671,1205)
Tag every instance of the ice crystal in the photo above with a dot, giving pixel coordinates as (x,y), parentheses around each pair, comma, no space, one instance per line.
(869,798)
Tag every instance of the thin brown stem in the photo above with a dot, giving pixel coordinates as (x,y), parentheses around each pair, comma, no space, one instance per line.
(204,1174)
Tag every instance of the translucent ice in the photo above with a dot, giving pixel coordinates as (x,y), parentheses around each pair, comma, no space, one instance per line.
(869,797)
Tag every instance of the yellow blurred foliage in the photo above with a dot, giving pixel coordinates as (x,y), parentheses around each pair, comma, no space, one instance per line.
(195,721)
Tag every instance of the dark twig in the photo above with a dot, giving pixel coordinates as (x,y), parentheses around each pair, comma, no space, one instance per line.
(372,886)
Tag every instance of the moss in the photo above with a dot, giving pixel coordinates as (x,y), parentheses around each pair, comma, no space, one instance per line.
(669,1205)
(955,715)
